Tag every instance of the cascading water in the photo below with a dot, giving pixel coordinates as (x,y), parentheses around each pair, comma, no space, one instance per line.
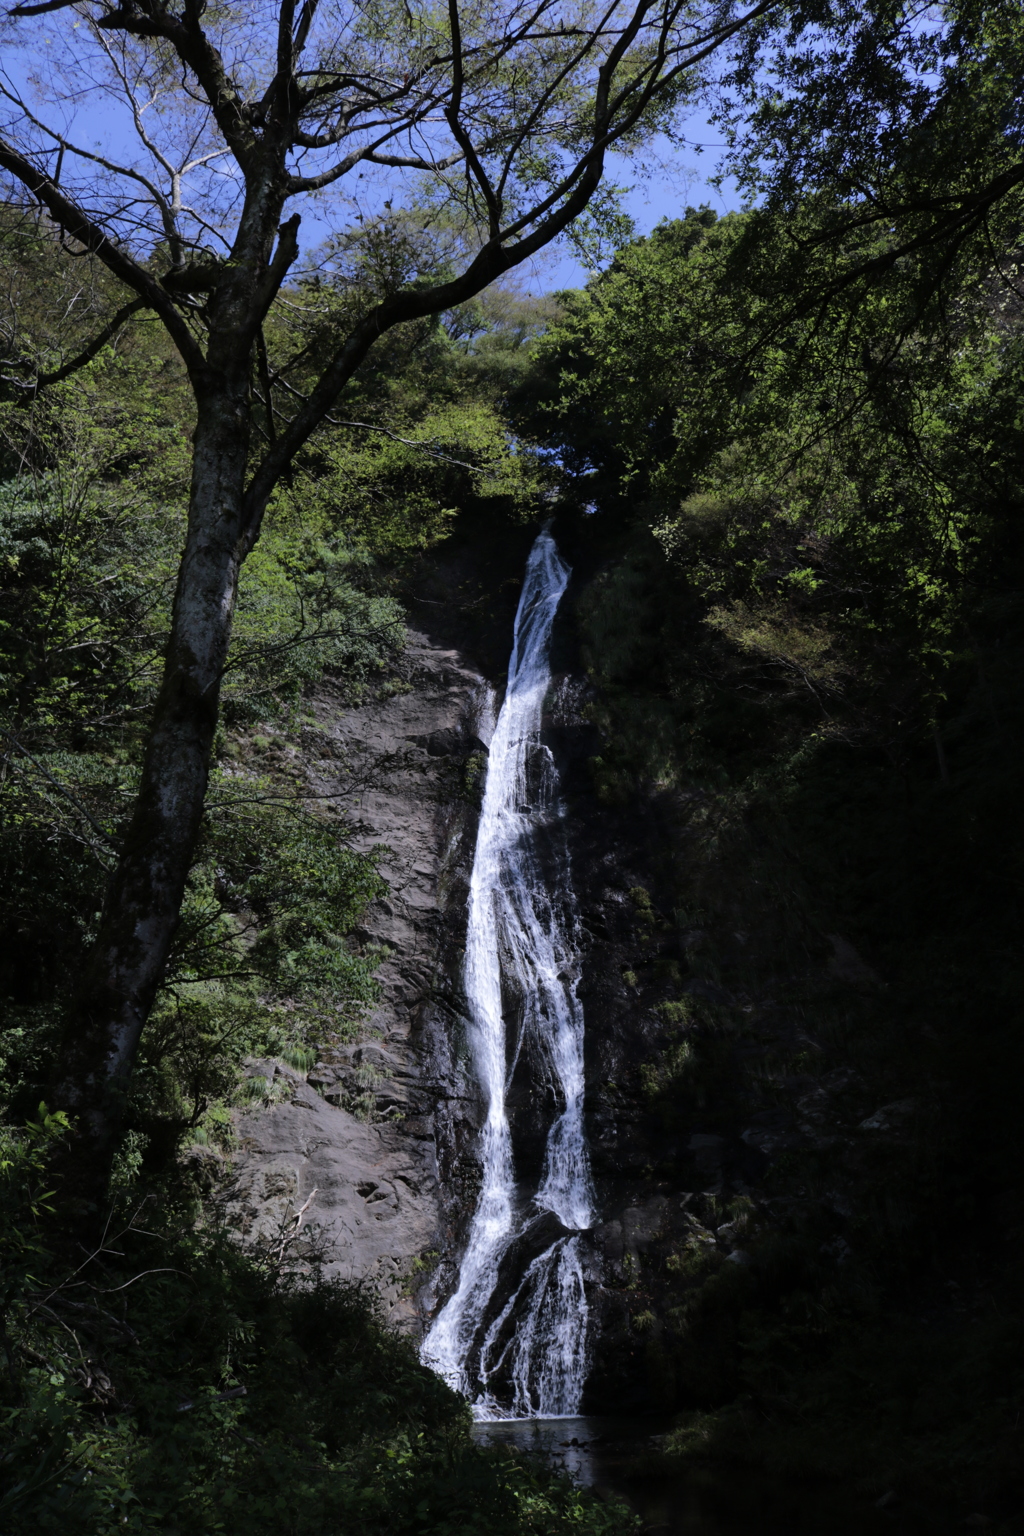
(513,1336)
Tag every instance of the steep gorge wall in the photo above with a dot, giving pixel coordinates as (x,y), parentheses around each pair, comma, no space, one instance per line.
(350,1144)
(713,1064)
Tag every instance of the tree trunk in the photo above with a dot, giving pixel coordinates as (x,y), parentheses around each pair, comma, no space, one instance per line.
(144,898)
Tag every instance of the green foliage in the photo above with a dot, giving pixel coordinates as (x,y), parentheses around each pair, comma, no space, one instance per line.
(261,956)
(302,612)
(800,527)
(888,149)
(26,1202)
(170,1383)
(827,503)
(420,434)
(261,965)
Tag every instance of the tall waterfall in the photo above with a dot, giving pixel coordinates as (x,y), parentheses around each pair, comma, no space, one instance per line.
(513,1336)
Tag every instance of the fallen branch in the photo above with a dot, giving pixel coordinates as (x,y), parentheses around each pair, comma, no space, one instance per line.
(289,1237)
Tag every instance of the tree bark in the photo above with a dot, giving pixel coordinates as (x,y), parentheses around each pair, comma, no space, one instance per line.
(144,898)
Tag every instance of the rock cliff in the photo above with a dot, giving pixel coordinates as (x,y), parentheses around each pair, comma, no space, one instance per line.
(341,1161)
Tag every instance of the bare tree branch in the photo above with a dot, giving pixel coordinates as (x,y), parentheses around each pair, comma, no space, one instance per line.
(61,789)
(38,10)
(193,47)
(413,162)
(81,228)
(95,346)
(459,133)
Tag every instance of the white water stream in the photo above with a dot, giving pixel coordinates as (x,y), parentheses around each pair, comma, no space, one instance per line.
(513,1337)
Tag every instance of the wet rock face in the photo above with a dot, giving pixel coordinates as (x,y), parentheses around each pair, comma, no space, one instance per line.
(641,1260)
(359,1128)
(712,1064)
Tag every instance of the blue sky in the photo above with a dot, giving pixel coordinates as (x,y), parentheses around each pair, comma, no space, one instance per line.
(660,190)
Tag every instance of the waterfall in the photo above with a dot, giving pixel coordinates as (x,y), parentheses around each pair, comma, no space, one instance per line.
(513,1336)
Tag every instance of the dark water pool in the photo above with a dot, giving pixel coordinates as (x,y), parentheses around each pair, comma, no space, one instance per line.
(622,1458)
